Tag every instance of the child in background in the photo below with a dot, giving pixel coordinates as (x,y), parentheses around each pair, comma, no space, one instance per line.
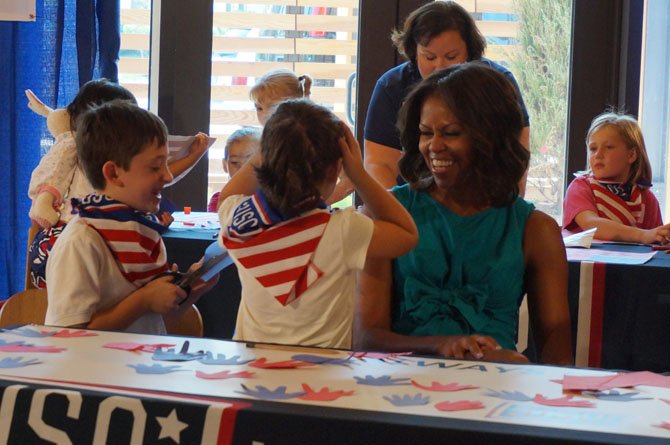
(58,177)
(281,84)
(240,146)
(276,86)
(297,260)
(613,194)
(101,271)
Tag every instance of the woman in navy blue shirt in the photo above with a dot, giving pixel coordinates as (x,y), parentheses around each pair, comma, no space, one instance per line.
(434,36)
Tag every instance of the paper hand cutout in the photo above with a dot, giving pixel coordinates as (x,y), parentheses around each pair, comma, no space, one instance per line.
(20,346)
(221,359)
(664,425)
(562,401)
(615,396)
(264,393)
(285,364)
(384,380)
(183,355)
(321,360)
(25,331)
(461,405)
(66,333)
(516,396)
(155,369)
(387,357)
(137,347)
(449,387)
(224,375)
(5,343)
(17,362)
(407,400)
(323,395)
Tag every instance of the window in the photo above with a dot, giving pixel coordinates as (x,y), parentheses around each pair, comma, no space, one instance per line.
(134,52)
(250,39)
(655,95)
(532,39)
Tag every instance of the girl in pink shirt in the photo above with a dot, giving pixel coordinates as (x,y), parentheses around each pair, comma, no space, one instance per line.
(613,194)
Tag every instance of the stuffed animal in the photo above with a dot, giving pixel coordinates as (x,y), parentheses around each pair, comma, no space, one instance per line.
(46,200)
(58,120)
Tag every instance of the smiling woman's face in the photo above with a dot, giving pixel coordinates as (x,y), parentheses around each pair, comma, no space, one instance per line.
(443,142)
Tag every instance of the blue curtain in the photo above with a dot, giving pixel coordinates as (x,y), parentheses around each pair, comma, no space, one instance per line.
(71,42)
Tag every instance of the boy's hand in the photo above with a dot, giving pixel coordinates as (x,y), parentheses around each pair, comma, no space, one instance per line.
(199,145)
(162,296)
(352,159)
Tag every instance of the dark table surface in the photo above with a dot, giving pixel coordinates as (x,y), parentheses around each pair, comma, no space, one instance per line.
(218,307)
(635,310)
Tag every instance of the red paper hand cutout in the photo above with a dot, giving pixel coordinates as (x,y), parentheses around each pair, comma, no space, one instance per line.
(224,375)
(66,333)
(137,347)
(449,387)
(562,401)
(461,405)
(323,395)
(285,364)
(665,425)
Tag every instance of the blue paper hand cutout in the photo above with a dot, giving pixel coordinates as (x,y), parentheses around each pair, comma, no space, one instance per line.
(155,369)
(17,362)
(408,400)
(13,343)
(320,360)
(264,393)
(384,380)
(516,396)
(615,396)
(221,359)
(181,356)
(25,331)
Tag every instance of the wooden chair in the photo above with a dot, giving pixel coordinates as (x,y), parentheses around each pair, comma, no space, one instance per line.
(27,306)
(30,306)
(34,228)
(189,324)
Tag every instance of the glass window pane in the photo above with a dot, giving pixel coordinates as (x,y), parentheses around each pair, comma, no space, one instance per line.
(251,38)
(532,39)
(655,96)
(134,51)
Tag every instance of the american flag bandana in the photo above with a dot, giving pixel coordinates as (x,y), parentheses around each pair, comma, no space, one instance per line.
(614,207)
(277,251)
(133,237)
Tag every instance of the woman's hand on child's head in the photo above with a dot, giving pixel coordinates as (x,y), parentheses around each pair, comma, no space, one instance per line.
(352,159)
(466,346)
(162,296)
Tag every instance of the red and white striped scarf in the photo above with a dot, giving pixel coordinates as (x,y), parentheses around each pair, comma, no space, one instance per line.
(611,206)
(277,252)
(133,237)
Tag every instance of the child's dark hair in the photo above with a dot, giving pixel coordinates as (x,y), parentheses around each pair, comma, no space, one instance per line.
(300,142)
(115,131)
(95,92)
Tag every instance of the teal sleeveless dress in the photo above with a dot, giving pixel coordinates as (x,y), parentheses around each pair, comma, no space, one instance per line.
(466,274)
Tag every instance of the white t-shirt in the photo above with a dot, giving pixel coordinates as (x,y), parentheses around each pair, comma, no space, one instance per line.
(323,314)
(83,278)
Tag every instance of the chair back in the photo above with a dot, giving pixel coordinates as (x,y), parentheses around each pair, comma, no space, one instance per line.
(34,229)
(25,307)
(189,324)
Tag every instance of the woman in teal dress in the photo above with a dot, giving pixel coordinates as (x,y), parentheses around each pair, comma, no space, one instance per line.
(481,247)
